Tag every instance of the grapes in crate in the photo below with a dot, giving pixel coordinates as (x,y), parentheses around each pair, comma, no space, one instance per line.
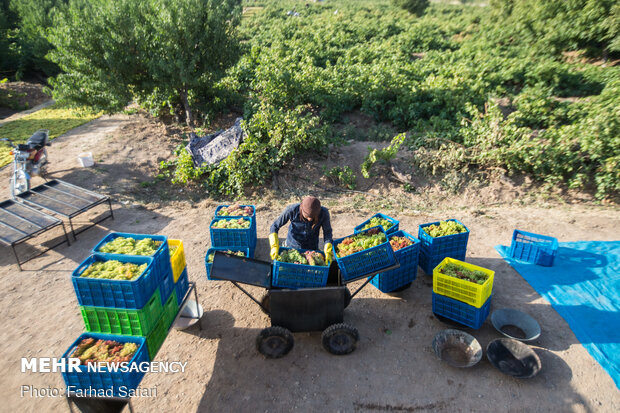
(456,271)
(173,249)
(294,256)
(360,242)
(237,253)
(231,224)
(235,211)
(386,224)
(91,350)
(129,246)
(114,270)
(444,228)
(398,243)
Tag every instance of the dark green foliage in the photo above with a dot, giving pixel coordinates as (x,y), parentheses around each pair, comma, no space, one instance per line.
(158,51)
(274,137)
(416,7)
(23,46)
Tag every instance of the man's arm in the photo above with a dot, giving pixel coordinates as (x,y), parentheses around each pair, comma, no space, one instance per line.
(281,221)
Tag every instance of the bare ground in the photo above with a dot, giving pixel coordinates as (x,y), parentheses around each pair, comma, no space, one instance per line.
(393,368)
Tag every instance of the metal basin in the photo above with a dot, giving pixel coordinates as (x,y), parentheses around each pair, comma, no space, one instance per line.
(457,348)
(513,358)
(515,324)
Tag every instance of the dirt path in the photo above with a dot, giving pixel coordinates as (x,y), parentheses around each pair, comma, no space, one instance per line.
(393,368)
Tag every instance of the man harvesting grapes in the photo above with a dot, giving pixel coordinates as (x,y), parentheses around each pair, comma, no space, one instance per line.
(307,218)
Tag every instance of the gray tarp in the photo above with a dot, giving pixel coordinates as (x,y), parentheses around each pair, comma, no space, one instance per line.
(211,149)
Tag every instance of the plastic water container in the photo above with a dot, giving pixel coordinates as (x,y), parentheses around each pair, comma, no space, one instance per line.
(86,159)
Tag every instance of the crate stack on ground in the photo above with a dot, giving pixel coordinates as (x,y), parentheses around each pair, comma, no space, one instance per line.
(434,249)
(234,240)
(407,257)
(465,302)
(138,310)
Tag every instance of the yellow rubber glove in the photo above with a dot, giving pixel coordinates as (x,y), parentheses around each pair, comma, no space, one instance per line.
(329,253)
(275,246)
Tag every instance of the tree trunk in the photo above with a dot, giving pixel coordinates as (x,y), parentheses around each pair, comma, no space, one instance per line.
(188,111)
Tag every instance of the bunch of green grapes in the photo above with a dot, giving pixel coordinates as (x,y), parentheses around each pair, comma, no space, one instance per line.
(129,246)
(360,242)
(114,270)
(232,224)
(173,249)
(293,256)
(444,228)
(379,221)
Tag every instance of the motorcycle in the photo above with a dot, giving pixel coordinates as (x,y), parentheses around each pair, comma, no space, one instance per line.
(29,159)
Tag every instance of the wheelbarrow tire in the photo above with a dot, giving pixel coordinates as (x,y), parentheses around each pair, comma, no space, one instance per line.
(340,339)
(274,342)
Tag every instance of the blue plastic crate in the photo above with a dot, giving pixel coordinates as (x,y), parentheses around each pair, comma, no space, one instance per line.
(247,251)
(225,206)
(535,248)
(166,286)
(362,263)
(462,313)
(110,381)
(389,231)
(221,237)
(161,258)
(98,292)
(434,249)
(407,258)
(290,275)
(181,286)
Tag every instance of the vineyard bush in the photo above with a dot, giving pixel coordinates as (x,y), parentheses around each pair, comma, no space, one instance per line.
(508,85)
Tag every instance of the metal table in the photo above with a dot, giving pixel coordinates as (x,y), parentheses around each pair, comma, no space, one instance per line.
(20,223)
(66,200)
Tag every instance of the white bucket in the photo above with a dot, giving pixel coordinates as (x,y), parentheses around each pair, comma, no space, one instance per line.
(86,159)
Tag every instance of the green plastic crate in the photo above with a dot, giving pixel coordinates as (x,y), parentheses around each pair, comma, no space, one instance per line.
(160,332)
(123,321)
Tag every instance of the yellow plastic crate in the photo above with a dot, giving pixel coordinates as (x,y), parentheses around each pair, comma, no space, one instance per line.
(467,292)
(177,260)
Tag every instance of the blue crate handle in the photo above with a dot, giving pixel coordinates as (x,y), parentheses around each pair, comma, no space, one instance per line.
(86,263)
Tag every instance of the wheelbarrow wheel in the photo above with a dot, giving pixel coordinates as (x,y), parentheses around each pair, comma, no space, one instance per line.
(274,342)
(340,339)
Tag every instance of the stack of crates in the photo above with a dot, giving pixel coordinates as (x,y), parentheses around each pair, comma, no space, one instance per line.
(407,257)
(141,310)
(232,239)
(434,249)
(463,301)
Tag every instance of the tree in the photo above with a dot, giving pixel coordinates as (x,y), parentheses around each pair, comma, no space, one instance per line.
(417,7)
(113,51)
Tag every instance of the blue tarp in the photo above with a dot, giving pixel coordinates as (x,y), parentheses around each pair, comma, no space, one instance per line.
(583,286)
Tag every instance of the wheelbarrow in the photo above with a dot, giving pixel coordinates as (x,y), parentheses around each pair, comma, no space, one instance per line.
(292,311)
